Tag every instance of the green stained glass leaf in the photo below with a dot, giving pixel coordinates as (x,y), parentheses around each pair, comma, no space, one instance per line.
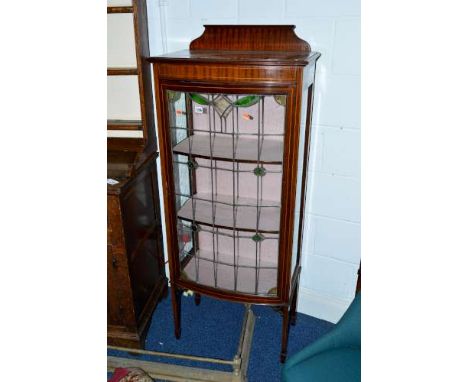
(247,101)
(273,291)
(280,100)
(258,237)
(259,171)
(173,96)
(198,98)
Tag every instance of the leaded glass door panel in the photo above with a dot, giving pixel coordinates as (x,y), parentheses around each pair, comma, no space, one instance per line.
(227,154)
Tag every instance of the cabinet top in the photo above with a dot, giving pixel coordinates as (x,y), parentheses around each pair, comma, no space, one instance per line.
(246,44)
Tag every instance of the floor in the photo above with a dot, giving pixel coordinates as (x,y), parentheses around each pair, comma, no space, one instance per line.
(212,329)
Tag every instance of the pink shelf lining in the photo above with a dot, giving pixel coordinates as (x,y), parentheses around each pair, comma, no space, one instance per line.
(203,211)
(245,148)
(225,277)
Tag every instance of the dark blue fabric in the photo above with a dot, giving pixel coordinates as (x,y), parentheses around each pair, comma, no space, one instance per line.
(212,329)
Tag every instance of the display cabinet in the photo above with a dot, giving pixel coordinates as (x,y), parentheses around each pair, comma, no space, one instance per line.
(136,278)
(234,120)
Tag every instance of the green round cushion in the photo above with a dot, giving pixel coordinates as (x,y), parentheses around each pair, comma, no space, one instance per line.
(335,365)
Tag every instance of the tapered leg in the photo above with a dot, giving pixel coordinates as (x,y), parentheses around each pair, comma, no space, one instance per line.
(285,333)
(293,309)
(197,298)
(176,301)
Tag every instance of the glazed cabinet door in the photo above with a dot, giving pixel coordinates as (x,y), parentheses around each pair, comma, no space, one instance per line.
(226,153)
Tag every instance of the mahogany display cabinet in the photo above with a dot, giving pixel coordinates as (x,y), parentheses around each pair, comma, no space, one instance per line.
(136,278)
(234,121)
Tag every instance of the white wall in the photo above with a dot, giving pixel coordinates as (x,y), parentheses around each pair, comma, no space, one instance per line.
(331,250)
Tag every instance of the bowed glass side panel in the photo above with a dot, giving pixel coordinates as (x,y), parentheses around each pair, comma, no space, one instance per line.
(305,157)
(227,154)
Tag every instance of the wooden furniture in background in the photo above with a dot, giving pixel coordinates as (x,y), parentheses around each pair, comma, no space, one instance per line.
(234,120)
(135,135)
(136,278)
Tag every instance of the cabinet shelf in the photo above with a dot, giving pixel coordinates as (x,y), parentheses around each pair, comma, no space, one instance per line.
(218,213)
(229,201)
(245,148)
(245,279)
(227,259)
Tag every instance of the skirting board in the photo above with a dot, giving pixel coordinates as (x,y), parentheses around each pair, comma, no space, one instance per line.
(324,307)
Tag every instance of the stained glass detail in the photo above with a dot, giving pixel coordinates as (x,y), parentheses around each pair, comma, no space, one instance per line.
(222,106)
(192,164)
(247,101)
(280,100)
(198,98)
(258,237)
(259,171)
(173,96)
